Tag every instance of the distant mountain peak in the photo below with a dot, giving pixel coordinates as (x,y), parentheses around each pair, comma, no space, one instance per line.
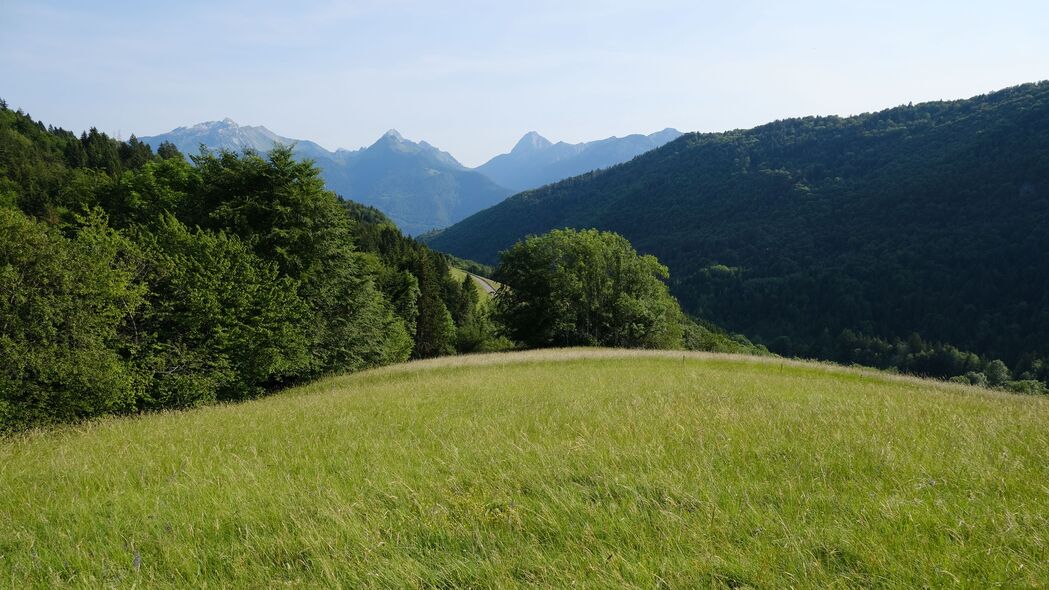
(393,134)
(667,135)
(205,126)
(535,161)
(530,142)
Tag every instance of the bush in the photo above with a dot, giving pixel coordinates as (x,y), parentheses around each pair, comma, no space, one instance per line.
(997,373)
(1028,387)
(976,378)
(707,339)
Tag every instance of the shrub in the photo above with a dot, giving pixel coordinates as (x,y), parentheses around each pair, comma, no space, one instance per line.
(1028,387)
(997,373)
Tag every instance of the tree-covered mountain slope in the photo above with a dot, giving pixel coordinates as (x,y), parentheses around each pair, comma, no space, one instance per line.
(835,237)
(535,161)
(417,185)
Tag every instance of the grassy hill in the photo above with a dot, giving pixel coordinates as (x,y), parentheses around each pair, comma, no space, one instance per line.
(485,286)
(551,469)
(835,237)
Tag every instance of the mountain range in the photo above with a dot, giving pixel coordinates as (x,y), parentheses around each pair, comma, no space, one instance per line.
(419,186)
(535,161)
(833,237)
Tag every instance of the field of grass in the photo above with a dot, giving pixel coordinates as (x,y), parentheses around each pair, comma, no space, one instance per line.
(460,274)
(554,469)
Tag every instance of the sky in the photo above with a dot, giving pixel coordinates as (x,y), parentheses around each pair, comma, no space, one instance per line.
(472,77)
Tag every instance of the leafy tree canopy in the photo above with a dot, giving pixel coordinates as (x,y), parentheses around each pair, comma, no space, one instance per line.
(586,287)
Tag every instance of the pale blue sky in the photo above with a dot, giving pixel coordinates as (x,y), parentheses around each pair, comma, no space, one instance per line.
(471,77)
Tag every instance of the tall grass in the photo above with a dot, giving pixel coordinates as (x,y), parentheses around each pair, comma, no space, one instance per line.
(550,469)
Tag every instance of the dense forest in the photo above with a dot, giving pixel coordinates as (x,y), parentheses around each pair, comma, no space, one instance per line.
(135,280)
(916,237)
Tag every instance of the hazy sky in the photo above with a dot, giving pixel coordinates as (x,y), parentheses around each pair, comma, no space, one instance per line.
(472,77)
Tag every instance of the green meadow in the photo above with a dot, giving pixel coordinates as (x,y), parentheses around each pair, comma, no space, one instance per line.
(552,469)
(483,293)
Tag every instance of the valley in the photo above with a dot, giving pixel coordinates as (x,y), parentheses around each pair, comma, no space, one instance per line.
(648,295)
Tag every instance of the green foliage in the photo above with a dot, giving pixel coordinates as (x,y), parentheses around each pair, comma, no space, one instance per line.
(480,332)
(705,337)
(1027,387)
(476,328)
(929,219)
(63,302)
(279,206)
(432,303)
(976,378)
(912,355)
(134,154)
(467,299)
(240,275)
(140,197)
(401,288)
(470,266)
(220,322)
(435,328)
(101,153)
(167,151)
(50,173)
(586,288)
(277,203)
(997,373)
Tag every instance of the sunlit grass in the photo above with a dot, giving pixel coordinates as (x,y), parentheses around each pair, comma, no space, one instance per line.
(551,469)
(459,274)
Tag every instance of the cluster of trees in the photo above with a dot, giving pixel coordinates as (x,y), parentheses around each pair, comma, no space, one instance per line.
(131,280)
(448,316)
(930,219)
(916,356)
(591,288)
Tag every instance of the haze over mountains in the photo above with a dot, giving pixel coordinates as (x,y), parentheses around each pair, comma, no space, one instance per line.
(536,161)
(419,186)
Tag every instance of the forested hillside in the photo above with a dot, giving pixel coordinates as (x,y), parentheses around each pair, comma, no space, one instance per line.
(131,280)
(899,238)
